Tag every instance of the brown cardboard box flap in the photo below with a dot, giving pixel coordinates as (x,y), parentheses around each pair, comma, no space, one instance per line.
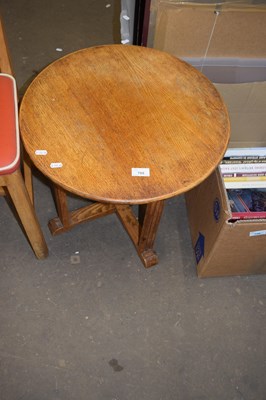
(246,103)
(207,30)
(207,207)
(236,251)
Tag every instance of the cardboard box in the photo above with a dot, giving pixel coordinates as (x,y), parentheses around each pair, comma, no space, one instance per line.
(200,29)
(226,42)
(223,247)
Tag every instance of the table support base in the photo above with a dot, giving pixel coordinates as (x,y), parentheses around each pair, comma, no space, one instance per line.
(141,230)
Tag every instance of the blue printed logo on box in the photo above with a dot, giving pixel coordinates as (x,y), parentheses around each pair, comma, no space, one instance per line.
(199,247)
(216,209)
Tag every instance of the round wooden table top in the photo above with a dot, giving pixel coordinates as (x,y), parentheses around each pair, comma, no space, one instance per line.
(93,115)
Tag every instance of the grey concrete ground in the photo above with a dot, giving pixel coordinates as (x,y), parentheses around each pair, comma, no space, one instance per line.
(105,328)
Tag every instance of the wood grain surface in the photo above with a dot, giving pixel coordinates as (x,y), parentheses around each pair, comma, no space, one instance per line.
(104,110)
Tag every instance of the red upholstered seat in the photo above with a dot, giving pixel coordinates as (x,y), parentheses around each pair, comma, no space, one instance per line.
(9,132)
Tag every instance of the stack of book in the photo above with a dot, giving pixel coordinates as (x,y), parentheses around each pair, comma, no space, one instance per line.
(244,174)
(244,168)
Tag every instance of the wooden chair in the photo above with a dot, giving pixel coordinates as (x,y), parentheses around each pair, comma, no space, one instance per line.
(11,181)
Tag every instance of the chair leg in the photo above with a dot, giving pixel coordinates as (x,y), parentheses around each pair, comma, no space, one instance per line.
(4,54)
(20,197)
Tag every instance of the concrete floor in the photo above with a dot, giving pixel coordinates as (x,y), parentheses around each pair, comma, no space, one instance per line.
(106,328)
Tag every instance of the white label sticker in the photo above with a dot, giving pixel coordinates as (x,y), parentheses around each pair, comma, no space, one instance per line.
(56,165)
(257,233)
(125,41)
(41,152)
(140,171)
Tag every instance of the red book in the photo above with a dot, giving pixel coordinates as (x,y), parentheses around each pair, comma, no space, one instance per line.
(247,203)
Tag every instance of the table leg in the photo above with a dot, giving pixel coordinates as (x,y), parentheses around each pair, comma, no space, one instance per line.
(68,219)
(27,167)
(149,219)
(143,231)
(62,208)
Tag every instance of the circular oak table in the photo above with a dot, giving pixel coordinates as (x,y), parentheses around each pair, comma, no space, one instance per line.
(123,125)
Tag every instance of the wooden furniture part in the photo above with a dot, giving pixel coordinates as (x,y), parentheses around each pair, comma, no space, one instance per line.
(6,67)
(93,115)
(5,64)
(11,180)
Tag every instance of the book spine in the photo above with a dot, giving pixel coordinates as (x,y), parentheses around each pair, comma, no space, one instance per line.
(254,184)
(243,180)
(233,160)
(245,175)
(249,215)
(246,152)
(243,168)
